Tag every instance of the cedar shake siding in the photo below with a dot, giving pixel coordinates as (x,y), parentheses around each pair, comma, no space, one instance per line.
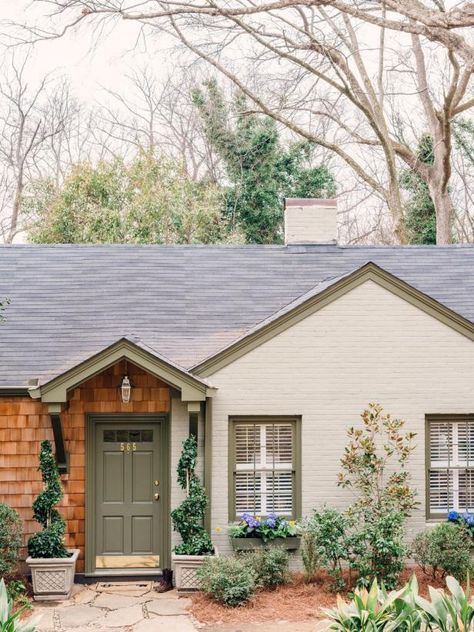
(24,423)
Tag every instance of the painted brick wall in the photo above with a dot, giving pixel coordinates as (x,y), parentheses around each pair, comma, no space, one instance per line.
(24,423)
(368,346)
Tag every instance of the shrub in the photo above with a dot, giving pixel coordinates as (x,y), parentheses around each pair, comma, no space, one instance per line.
(377,549)
(188,517)
(444,549)
(49,542)
(9,621)
(325,544)
(270,565)
(11,532)
(229,580)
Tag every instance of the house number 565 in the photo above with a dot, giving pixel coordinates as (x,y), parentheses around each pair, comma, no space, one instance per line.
(128,447)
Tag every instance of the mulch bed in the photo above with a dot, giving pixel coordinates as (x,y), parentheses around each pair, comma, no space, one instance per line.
(295,601)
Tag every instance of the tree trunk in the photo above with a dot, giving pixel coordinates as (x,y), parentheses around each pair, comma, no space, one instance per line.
(444,213)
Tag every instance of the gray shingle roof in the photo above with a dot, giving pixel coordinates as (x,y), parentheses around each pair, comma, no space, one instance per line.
(186,302)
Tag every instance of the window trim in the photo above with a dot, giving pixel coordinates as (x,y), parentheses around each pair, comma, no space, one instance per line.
(295,420)
(457,417)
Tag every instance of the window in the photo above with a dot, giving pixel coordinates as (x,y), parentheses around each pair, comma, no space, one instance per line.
(264,467)
(451,464)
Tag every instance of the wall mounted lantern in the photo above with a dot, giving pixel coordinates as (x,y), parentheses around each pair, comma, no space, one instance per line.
(126,389)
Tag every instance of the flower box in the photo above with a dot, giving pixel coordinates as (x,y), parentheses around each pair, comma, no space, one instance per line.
(291,543)
(185,571)
(53,578)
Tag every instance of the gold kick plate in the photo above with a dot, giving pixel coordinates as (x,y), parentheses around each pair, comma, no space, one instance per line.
(127,561)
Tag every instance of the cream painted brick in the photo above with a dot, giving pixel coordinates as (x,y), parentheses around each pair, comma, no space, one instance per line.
(310,224)
(368,346)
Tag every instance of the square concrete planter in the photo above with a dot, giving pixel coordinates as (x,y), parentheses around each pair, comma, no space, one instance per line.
(185,567)
(252,544)
(53,578)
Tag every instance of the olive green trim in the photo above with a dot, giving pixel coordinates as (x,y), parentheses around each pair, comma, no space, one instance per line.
(91,420)
(208,462)
(368,272)
(192,389)
(62,457)
(297,459)
(14,391)
(428,419)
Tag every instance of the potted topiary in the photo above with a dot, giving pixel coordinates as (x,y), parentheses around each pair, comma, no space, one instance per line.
(52,565)
(255,532)
(187,521)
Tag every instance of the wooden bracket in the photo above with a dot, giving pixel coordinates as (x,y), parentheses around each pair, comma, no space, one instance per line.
(61,455)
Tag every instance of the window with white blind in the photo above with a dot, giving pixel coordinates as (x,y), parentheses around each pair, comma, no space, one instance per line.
(450,452)
(264,467)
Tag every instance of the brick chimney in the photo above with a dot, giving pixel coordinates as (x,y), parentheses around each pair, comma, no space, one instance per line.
(310,221)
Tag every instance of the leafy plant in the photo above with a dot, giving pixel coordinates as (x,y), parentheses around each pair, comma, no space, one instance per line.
(270,565)
(448,613)
(229,580)
(377,549)
(268,528)
(188,517)
(9,620)
(444,549)
(465,519)
(49,542)
(324,543)
(375,610)
(11,532)
(374,464)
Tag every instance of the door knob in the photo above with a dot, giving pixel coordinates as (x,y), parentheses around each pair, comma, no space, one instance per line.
(157,496)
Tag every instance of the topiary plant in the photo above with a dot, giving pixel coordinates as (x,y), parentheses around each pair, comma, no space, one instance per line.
(10,538)
(49,542)
(188,517)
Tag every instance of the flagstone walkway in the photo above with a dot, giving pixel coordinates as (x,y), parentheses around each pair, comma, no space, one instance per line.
(89,610)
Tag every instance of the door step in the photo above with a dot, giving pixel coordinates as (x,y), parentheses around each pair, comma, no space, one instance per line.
(136,588)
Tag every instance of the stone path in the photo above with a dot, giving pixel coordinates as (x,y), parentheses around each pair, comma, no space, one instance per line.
(89,610)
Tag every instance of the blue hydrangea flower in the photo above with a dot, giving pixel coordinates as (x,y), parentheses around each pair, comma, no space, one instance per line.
(271,522)
(470,521)
(453,516)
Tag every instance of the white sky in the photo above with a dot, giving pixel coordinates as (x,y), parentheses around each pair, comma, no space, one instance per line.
(88,63)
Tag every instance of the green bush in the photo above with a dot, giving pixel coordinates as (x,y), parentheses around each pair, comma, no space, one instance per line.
(324,544)
(188,517)
(444,549)
(229,580)
(270,565)
(11,532)
(377,549)
(49,542)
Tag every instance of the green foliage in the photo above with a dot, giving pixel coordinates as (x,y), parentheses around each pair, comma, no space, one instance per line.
(377,550)
(49,542)
(150,200)
(324,544)
(375,610)
(229,580)
(188,517)
(260,171)
(11,532)
(444,549)
(10,621)
(374,464)
(420,210)
(270,565)
(448,613)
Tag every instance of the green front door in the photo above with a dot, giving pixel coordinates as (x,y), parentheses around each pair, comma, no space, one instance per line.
(128,495)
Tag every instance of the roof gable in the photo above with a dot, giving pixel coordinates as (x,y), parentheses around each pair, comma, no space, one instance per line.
(320,296)
(55,390)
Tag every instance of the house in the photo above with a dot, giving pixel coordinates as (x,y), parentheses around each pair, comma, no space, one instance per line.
(267,353)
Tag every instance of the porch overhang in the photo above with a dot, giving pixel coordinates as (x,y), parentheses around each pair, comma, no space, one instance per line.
(55,390)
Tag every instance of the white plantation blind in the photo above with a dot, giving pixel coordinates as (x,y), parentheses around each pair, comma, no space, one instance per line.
(264,468)
(451,466)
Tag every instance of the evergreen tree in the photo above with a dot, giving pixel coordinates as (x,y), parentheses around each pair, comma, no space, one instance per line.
(260,171)
(420,210)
